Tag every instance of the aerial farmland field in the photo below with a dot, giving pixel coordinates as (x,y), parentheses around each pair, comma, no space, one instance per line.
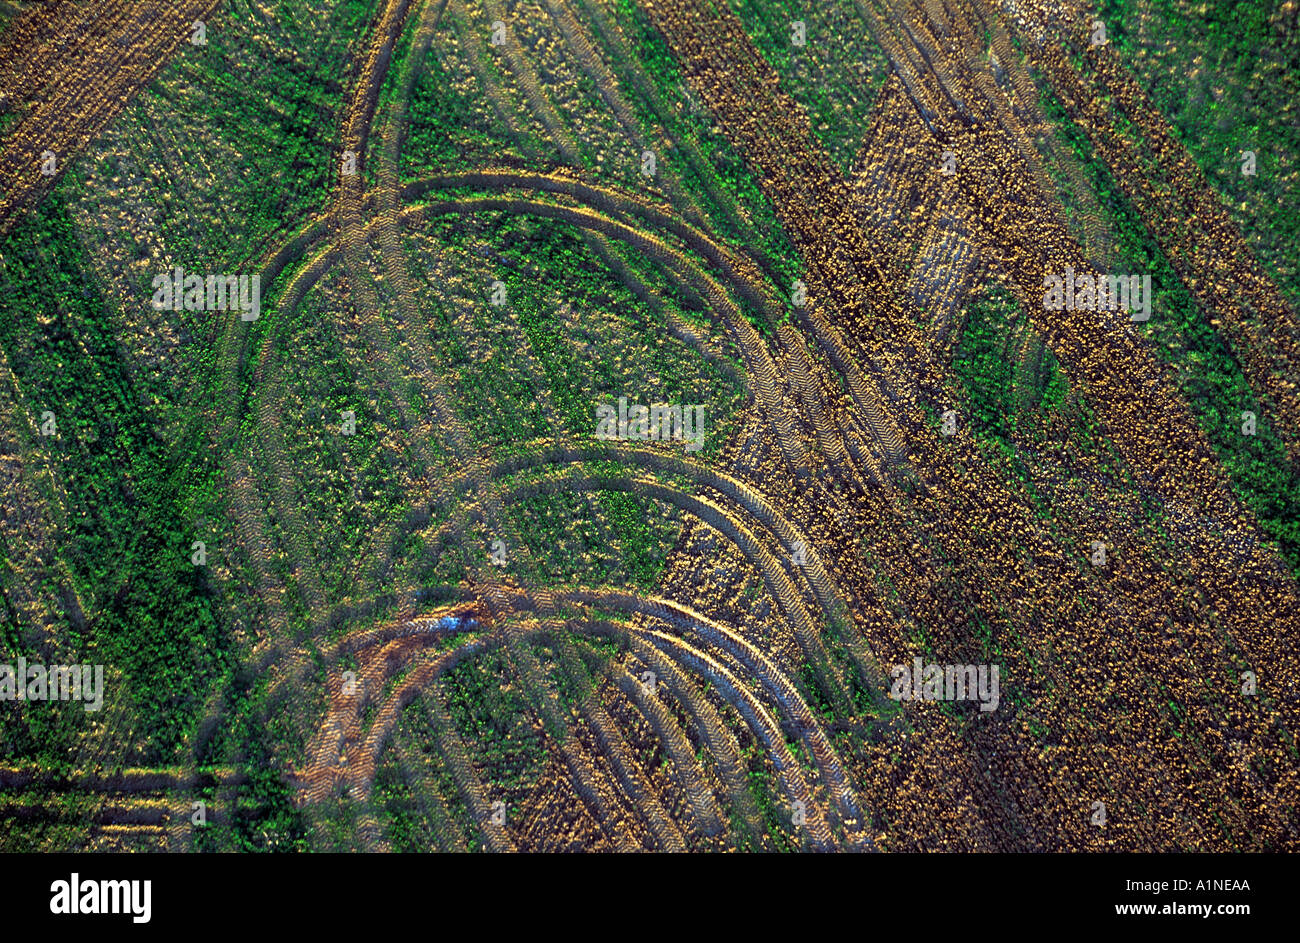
(649,425)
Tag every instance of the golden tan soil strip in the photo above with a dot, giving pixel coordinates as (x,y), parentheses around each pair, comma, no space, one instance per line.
(97,76)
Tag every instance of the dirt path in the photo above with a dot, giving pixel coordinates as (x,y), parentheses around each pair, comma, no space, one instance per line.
(73,69)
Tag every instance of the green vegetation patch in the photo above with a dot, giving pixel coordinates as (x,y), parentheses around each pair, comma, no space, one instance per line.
(126,542)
